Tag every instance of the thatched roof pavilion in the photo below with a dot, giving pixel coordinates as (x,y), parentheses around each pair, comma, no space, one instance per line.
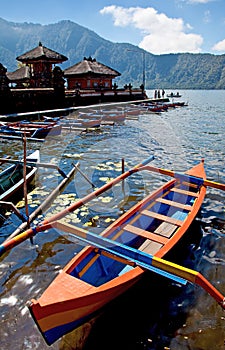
(90,74)
(40,61)
(41,53)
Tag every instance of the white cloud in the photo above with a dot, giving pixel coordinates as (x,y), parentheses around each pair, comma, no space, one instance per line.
(161,34)
(121,16)
(200,1)
(220,46)
(170,44)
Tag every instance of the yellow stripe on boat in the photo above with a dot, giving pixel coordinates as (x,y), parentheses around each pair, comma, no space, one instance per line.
(181,271)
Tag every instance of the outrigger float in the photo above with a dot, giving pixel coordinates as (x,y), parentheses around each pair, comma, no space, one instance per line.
(116,259)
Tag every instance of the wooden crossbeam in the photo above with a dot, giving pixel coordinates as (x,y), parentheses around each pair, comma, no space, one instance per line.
(161,217)
(190,184)
(187,193)
(146,234)
(174,204)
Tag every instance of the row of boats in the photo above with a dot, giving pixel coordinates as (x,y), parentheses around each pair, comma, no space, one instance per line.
(159,107)
(39,130)
(93,118)
(134,109)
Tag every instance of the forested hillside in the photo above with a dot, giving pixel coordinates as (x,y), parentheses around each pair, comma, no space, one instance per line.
(175,71)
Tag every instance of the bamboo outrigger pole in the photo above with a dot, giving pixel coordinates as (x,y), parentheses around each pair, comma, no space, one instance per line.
(84,175)
(182,176)
(13,208)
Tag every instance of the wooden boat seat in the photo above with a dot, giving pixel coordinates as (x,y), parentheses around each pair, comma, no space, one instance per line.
(164,218)
(149,235)
(174,204)
(150,247)
(187,193)
(166,229)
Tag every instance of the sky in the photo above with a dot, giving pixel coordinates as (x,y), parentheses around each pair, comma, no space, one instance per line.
(157,26)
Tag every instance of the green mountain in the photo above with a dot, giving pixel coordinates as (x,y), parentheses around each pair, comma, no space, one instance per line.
(171,71)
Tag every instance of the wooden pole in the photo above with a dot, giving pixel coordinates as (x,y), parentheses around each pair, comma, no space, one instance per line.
(25,183)
(171,173)
(123,170)
(25,178)
(84,175)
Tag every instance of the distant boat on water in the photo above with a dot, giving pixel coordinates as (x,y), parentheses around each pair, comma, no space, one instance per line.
(172,94)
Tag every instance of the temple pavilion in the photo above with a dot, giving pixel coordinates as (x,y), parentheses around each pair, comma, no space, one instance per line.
(37,71)
(90,74)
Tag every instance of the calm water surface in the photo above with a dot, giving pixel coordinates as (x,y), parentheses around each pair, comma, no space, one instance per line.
(156,314)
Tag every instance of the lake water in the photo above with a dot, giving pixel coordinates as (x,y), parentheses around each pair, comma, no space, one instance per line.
(156,314)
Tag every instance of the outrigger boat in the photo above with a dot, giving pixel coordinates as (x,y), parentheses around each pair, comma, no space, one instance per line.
(117,258)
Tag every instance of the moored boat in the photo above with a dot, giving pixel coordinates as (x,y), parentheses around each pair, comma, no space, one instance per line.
(111,116)
(117,259)
(31,129)
(153,107)
(181,104)
(81,123)
(12,178)
(173,104)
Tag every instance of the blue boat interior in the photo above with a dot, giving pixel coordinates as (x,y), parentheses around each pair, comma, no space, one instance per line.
(97,269)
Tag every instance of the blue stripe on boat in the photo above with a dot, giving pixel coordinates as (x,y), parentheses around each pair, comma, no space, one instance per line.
(55,333)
